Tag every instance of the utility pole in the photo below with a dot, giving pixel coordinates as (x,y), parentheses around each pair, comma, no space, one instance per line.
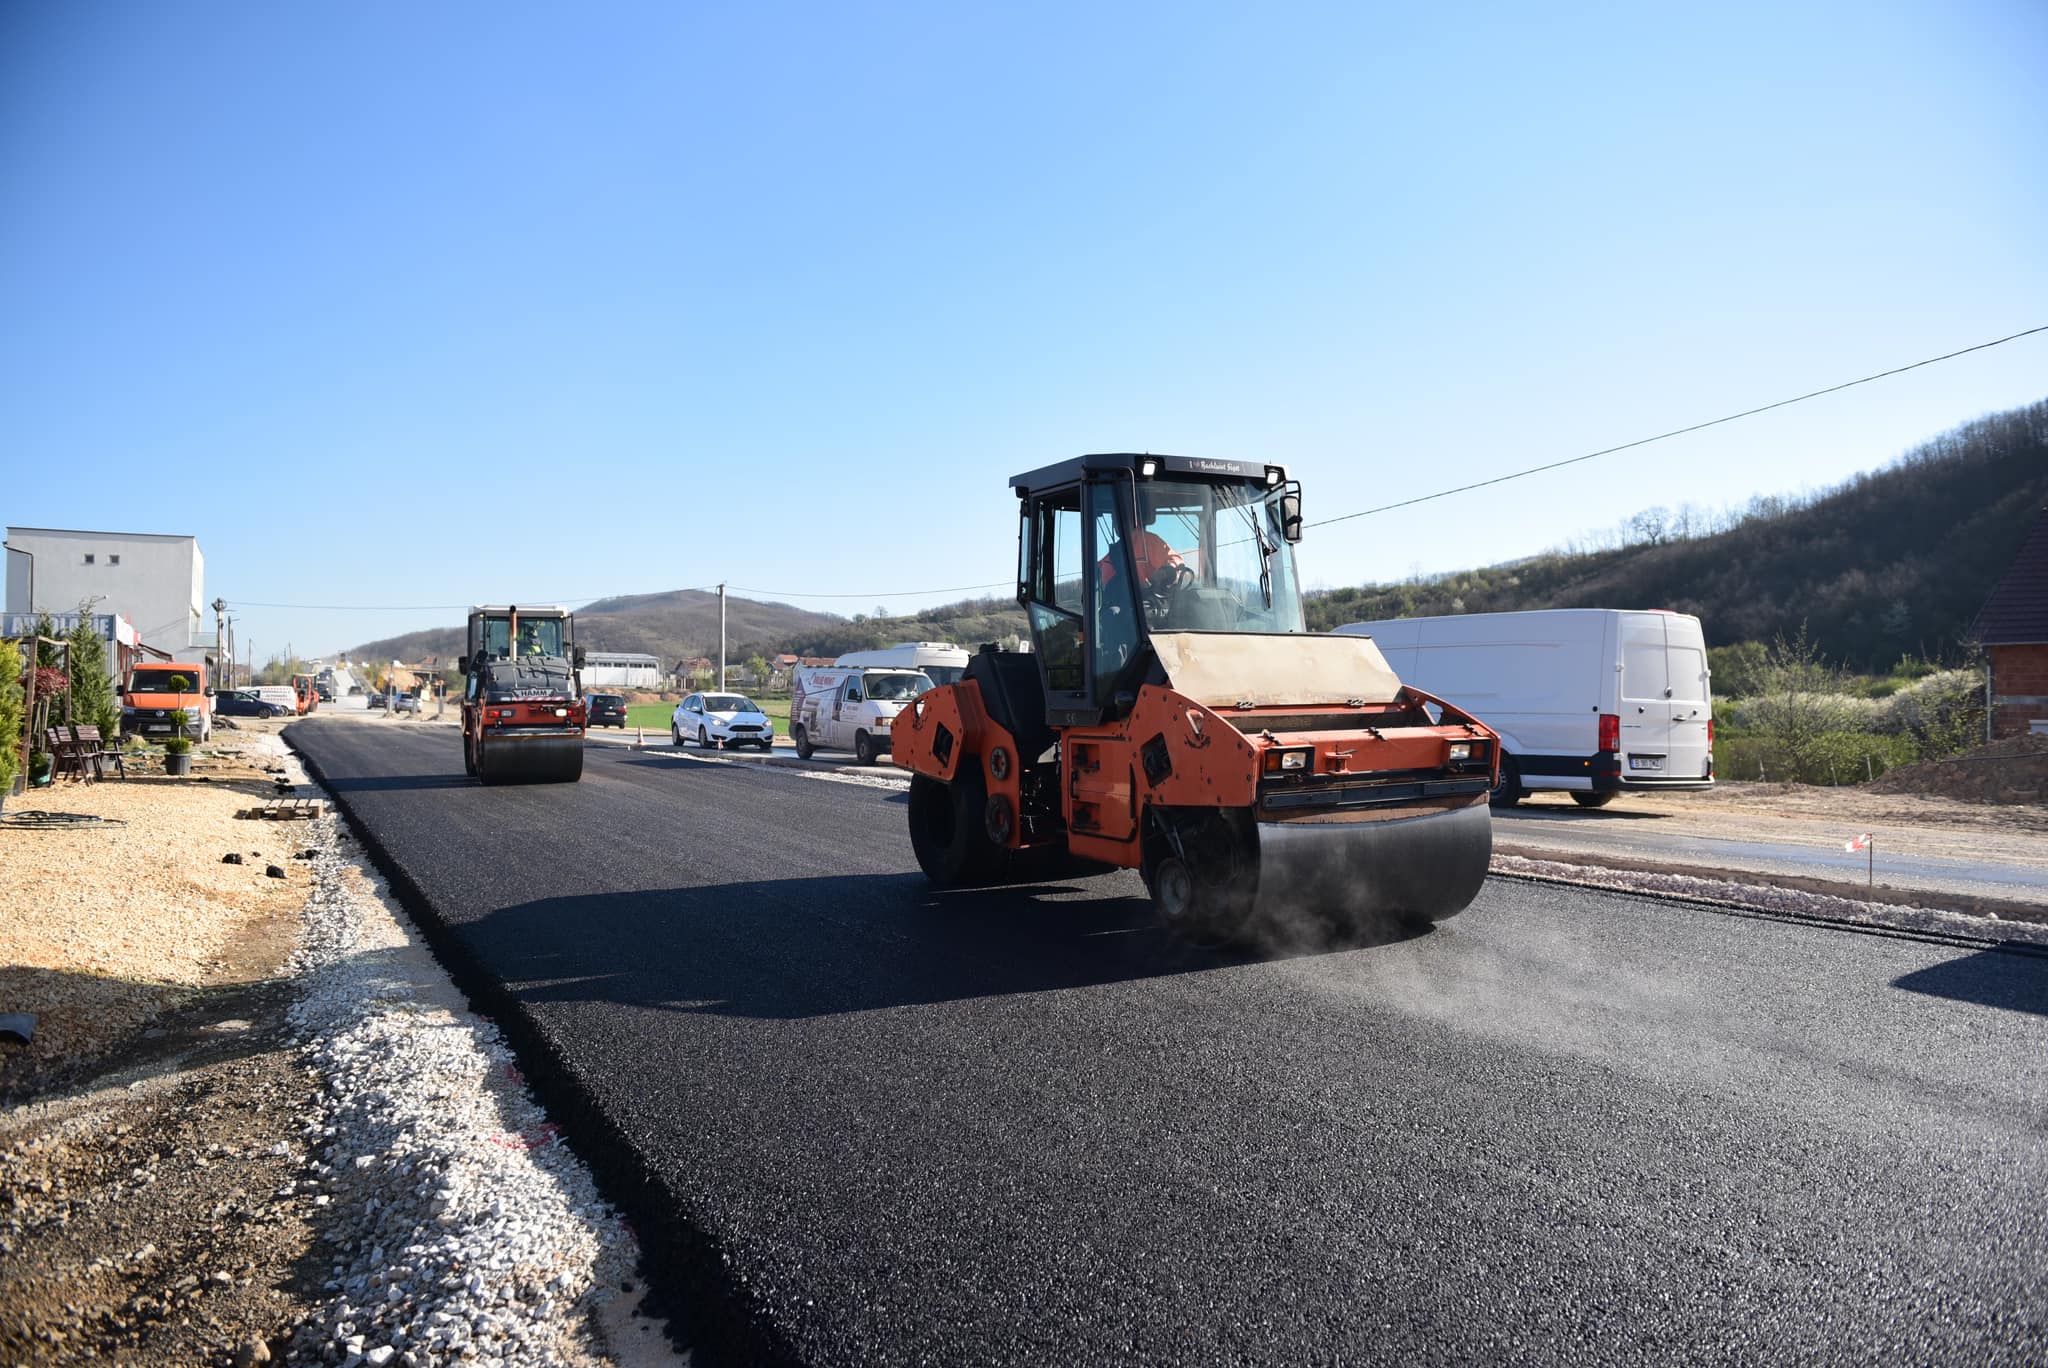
(220,639)
(721,638)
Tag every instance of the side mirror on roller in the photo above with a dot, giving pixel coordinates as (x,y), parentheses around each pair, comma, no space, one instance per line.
(1290,515)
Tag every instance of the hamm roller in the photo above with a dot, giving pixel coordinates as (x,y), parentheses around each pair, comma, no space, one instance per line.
(523,713)
(1177,717)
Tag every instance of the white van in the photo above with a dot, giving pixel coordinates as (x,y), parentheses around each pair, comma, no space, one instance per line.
(1594,701)
(284,695)
(837,708)
(939,661)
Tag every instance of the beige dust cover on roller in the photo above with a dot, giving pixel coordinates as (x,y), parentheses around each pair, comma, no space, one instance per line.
(1222,669)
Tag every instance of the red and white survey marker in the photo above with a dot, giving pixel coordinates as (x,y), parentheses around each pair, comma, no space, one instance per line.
(1857,843)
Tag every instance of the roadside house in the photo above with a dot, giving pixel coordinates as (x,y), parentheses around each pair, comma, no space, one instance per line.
(2013,627)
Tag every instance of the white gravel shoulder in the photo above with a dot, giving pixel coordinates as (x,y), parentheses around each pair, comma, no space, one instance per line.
(459,1228)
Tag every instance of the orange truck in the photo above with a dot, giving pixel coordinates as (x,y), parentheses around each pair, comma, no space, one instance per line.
(152,693)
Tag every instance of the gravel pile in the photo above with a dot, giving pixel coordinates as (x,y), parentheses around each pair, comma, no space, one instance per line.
(460,1230)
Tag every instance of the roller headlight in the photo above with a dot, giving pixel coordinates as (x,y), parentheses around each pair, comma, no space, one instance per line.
(1295,760)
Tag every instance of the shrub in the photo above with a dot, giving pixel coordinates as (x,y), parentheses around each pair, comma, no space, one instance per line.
(1940,713)
(12,718)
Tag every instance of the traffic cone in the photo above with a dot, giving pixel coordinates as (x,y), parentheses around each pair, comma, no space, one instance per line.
(639,738)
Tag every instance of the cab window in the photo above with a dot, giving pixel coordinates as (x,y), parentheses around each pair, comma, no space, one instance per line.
(1056,589)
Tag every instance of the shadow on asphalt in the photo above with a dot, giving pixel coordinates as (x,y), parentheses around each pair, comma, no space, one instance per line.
(793,948)
(392,783)
(1989,978)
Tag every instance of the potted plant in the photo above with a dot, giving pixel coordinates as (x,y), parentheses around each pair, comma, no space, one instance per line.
(178,746)
(39,769)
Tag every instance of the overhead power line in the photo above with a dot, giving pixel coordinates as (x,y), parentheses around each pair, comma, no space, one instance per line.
(1675,432)
(598,598)
(900,593)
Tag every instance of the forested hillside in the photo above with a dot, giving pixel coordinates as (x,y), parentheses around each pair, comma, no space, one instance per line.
(1891,563)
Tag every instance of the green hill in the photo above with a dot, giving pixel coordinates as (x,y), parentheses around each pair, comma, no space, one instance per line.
(1893,562)
(675,626)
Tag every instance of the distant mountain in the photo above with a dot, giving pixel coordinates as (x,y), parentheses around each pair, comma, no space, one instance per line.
(1893,562)
(675,626)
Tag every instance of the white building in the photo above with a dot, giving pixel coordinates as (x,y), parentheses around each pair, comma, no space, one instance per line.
(620,670)
(157,582)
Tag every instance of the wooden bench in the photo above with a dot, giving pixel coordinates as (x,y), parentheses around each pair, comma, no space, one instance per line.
(92,746)
(62,743)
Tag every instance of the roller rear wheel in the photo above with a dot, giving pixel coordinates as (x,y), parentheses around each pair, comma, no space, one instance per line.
(947,833)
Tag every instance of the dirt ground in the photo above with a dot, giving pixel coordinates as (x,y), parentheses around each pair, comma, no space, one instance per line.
(150,1160)
(2012,772)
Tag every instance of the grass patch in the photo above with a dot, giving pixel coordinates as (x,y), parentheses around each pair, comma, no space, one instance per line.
(655,716)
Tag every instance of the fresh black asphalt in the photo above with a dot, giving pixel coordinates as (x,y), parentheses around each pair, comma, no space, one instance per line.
(858,1122)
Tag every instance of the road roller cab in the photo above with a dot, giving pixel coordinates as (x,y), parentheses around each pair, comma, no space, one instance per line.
(1177,717)
(523,714)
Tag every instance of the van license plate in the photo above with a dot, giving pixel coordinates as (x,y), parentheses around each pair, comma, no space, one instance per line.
(1646,762)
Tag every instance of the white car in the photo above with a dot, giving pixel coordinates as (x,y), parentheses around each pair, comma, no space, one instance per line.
(721,719)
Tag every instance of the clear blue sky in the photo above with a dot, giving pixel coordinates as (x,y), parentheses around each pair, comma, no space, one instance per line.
(429,304)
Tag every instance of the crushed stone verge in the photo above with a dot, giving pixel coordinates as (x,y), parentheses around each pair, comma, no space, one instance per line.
(459,1228)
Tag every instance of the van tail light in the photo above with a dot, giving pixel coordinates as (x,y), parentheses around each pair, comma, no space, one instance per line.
(1610,732)
(1710,731)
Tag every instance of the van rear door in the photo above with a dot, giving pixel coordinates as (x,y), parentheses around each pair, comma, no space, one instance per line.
(1689,752)
(1645,698)
(1664,705)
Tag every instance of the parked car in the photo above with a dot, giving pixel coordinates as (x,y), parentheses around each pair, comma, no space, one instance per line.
(378,700)
(405,702)
(606,710)
(243,703)
(721,719)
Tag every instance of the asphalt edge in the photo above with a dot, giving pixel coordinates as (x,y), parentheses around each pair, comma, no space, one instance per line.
(719,1322)
(1731,907)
